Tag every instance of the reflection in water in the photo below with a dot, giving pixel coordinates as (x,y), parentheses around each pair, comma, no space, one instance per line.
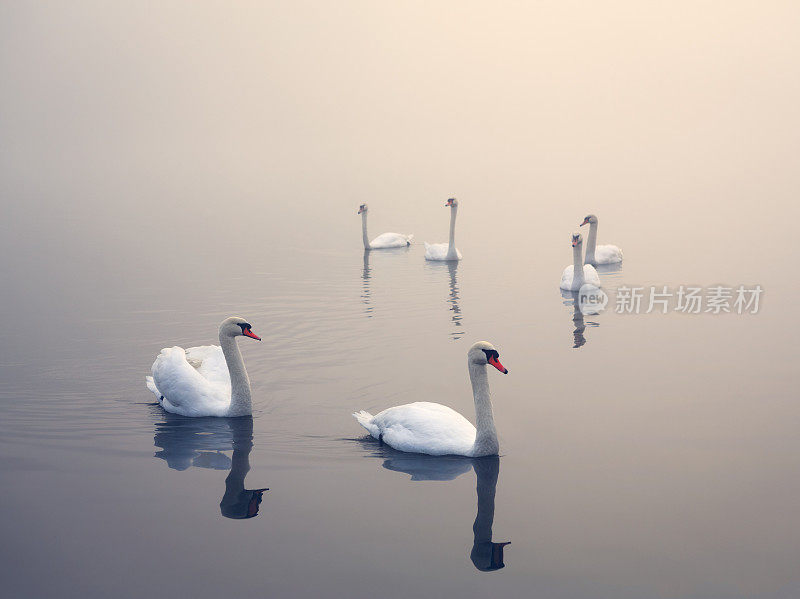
(366,297)
(486,555)
(458,333)
(571,299)
(199,442)
(453,296)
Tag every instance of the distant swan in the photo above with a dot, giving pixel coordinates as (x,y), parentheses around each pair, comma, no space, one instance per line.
(208,380)
(445,251)
(586,272)
(432,428)
(599,254)
(384,240)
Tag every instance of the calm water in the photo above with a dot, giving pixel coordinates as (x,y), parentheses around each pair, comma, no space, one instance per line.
(162,172)
(657,459)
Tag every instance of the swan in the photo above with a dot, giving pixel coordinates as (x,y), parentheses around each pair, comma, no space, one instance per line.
(599,254)
(445,251)
(384,240)
(434,429)
(209,380)
(586,272)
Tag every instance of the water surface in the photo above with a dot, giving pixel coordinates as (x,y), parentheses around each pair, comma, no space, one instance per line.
(642,455)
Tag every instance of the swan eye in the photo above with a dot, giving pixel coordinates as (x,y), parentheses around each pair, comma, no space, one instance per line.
(245,326)
(491,353)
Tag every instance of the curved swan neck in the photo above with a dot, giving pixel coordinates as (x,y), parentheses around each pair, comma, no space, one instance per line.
(364,230)
(577,273)
(486,442)
(591,243)
(451,248)
(241,403)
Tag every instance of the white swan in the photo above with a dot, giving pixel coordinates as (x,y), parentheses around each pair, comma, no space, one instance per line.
(432,428)
(208,380)
(445,251)
(384,240)
(586,272)
(599,254)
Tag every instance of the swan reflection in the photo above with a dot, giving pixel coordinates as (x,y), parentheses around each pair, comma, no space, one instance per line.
(571,298)
(453,297)
(486,555)
(366,296)
(200,442)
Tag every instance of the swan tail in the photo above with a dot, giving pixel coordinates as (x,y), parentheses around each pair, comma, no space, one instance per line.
(365,419)
(151,384)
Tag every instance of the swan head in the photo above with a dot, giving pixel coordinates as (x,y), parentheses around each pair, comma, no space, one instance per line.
(362,209)
(484,353)
(237,327)
(577,240)
(451,203)
(589,220)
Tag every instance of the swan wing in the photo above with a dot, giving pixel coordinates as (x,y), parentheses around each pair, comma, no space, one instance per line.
(590,275)
(607,254)
(566,278)
(390,240)
(209,361)
(424,427)
(184,387)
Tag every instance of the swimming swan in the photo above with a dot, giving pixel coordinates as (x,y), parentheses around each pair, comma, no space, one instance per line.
(384,240)
(423,427)
(586,272)
(599,254)
(209,380)
(445,251)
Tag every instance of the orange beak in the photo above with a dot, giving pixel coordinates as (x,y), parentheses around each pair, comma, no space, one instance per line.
(251,334)
(585,220)
(496,363)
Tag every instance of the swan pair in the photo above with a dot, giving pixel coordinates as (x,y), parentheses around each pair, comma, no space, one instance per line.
(211,380)
(433,251)
(595,255)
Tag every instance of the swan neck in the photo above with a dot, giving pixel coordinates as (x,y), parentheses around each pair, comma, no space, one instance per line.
(591,243)
(364,235)
(577,273)
(451,247)
(486,442)
(241,403)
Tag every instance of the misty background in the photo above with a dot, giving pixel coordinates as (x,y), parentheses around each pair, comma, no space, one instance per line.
(166,164)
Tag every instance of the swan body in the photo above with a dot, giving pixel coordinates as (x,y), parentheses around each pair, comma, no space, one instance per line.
(446,251)
(390,240)
(434,429)
(439,251)
(607,254)
(384,240)
(599,254)
(586,272)
(209,380)
(421,427)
